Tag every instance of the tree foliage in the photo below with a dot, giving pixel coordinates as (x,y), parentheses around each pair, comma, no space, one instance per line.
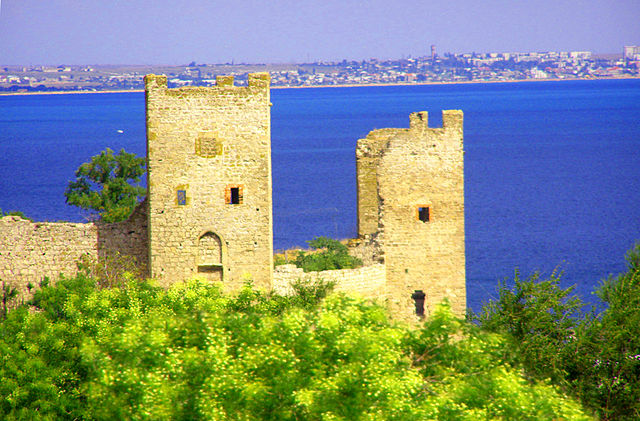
(541,318)
(108,185)
(328,254)
(192,352)
(9,294)
(609,371)
(594,356)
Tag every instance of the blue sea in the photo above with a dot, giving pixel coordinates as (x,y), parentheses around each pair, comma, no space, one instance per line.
(552,169)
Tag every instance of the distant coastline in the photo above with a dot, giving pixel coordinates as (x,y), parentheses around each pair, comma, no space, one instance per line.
(112,91)
(346,85)
(457,82)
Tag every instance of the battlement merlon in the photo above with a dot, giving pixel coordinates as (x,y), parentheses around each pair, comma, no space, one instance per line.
(255,80)
(259,80)
(152,82)
(224,80)
(451,120)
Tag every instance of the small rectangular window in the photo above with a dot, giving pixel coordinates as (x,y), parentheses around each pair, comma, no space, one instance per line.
(418,297)
(182,197)
(423,213)
(233,195)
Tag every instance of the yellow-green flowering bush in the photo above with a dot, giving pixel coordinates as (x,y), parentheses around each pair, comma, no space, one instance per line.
(192,352)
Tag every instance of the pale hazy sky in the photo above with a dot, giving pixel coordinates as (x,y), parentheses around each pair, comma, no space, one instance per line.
(210,31)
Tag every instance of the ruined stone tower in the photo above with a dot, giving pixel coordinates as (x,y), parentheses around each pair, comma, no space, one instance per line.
(208,211)
(411,203)
(209,181)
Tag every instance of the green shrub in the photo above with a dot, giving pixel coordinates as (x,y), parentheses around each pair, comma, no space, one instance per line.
(15,213)
(192,352)
(607,369)
(329,254)
(9,295)
(595,357)
(279,260)
(541,318)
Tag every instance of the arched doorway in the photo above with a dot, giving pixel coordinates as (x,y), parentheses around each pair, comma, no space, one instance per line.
(210,256)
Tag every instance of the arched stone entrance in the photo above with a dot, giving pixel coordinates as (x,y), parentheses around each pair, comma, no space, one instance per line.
(210,256)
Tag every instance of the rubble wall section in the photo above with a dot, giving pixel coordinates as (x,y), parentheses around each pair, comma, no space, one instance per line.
(367,281)
(29,251)
(128,238)
(368,153)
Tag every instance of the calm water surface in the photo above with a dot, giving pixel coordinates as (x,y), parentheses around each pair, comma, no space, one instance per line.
(552,174)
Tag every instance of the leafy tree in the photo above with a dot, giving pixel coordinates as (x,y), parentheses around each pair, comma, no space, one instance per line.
(609,354)
(469,375)
(329,254)
(191,352)
(541,318)
(594,356)
(108,185)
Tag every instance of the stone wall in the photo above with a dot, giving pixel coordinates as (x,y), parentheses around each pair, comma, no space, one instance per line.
(368,153)
(367,281)
(209,178)
(128,238)
(30,251)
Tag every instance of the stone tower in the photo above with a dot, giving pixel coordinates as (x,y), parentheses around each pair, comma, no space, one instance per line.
(209,181)
(411,203)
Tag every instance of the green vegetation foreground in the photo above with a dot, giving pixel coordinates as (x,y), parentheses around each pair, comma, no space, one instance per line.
(141,352)
(593,355)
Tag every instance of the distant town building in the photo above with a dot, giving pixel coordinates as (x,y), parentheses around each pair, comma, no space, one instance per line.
(538,74)
(631,52)
(586,55)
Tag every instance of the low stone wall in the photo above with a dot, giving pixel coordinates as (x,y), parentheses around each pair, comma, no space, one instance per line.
(368,281)
(29,251)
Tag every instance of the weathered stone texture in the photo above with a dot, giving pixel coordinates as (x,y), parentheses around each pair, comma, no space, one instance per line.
(366,248)
(214,144)
(127,238)
(414,168)
(367,281)
(29,251)
(368,153)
